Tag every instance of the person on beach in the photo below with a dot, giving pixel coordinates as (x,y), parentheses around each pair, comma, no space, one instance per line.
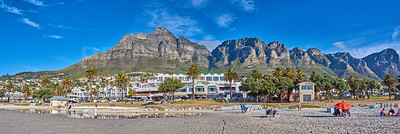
(398,112)
(346,111)
(337,112)
(391,112)
(299,107)
(383,112)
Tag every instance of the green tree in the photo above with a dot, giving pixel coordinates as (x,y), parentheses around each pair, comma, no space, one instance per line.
(285,84)
(252,85)
(278,72)
(90,74)
(42,94)
(317,79)
(341,86)
(231,76)
(288,72)
(269,87)
(131,92)
(328,83)
(122,82)
(193,73)
(389,82)
(66,85)
(171,85)
(9,88)
(352,85)
(256,75)
(27,91)
(45,81)
(372,84)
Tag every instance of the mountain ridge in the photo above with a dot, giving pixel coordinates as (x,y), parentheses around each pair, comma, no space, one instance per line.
(161,51)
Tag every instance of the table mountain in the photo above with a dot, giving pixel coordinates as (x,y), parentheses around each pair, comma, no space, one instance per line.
(154,52)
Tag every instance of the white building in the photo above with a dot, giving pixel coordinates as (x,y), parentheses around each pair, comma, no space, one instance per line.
(79,94)
(207,86)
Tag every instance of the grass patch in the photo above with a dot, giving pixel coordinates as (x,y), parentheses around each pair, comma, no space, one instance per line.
(305,106)
(129,105)
(196,102)
(22,104)
(377,97)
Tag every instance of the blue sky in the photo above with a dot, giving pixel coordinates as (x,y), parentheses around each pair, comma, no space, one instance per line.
(38,35)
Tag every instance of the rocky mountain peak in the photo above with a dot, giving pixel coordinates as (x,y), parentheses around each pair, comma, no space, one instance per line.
(162,31)
(314,51)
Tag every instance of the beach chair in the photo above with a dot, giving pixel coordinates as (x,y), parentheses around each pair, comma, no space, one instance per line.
(273,115)
(245,109)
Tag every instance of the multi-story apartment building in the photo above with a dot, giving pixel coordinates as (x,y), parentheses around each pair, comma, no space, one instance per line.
(207,86)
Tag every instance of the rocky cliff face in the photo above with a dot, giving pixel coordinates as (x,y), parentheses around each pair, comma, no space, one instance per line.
(253,51)
(161,45)
(162,51)
(343,62)
(384,62)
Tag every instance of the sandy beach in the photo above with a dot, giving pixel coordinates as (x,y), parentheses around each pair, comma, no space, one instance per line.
(363,120)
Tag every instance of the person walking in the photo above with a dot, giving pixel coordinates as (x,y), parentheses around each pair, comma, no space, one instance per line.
(299,106)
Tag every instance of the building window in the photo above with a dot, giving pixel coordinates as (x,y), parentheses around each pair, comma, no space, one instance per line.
(306,97)
(215,79)
(212,89)
(221,78)
(200,89)
(208,78)
(306,87)
(201,78)
(186,79)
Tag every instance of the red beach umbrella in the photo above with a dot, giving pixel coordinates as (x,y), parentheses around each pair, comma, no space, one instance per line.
(342,105)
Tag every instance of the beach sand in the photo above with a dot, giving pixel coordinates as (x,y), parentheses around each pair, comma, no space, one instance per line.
(363,120)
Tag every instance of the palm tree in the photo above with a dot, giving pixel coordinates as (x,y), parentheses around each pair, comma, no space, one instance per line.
(288,72)
(45,81)
(313,75)
(112,85)
(9,87)
(193,73)
(256,75)
(91,73)
(299,74)
(278,72)
(122,82)
(97,91)
(103,86)
(66,85)
(231,76)
(389,82)
(26,91)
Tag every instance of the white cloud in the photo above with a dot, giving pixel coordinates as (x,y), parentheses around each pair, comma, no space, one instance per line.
(53,36)
(339,45)
(36,2)
(199,3)
(31,23)
(225,20)
(10,9)
(181,25)
(208,41)
(361,52)
(60,26)
(248,5)
(395,35)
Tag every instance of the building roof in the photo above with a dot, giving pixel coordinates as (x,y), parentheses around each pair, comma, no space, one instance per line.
(58,98)
(306,83)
